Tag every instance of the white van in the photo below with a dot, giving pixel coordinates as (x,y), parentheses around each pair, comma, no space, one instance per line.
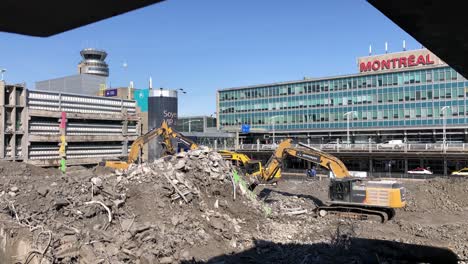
(392,144)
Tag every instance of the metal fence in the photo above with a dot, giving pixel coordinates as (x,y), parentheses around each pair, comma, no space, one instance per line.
(416,147)
(300,174)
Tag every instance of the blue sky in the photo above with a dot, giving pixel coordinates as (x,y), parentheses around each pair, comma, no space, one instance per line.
(205,45)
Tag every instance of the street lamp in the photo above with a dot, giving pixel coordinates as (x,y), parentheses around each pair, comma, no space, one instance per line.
(273,123)
(347,114)
(2,71)
(444,116)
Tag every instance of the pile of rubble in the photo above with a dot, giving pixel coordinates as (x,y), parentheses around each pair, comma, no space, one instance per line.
(193,207)
(160,212)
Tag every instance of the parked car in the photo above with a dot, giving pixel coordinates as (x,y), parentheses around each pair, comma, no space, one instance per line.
(462,172)
(330,145)
(420,170)
(392,144)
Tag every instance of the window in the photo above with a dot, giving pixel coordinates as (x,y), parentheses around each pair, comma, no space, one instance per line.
(424,112)
(407,113)
(417,77)
(454,75)
(418,95)
(442,76)
(429,76)
(429,112)
(454,110)
(411,77)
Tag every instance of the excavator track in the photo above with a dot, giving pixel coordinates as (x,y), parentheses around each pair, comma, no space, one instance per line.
(360,213)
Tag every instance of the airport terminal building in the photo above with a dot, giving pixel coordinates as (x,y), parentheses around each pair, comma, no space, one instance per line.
(405,95)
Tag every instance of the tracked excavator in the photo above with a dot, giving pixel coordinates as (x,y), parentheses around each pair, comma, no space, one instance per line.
(167,134)
(247,165)
(348,196)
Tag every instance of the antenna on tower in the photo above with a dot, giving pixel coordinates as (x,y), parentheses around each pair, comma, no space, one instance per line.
(150,83)
(386,47)
(404,45)
(370,50)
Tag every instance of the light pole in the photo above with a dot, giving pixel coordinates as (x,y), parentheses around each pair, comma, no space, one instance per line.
(273,123)
(444,116)
(2,71)
(347,114)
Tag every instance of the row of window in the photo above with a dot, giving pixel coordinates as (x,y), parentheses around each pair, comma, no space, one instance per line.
(379,98)
(389,114)
(368,81)
(364,124)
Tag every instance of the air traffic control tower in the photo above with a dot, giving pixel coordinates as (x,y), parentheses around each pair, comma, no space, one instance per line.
(93,62)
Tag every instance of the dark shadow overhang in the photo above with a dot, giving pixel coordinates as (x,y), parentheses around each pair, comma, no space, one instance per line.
(439,26)
(49,17)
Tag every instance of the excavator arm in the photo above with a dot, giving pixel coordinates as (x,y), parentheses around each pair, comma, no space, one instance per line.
(166,132)
(170,134)
(234,156)
(330,162)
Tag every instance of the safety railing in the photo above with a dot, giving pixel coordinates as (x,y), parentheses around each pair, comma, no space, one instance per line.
(412,147)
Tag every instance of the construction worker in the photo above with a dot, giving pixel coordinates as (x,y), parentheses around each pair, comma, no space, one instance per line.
(313,172)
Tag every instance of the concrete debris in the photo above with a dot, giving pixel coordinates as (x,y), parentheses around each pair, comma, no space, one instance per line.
(97,182)
(181,209)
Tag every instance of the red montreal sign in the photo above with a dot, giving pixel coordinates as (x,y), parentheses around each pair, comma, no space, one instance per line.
(395,63)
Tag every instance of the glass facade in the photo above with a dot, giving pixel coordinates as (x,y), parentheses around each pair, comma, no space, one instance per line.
(404,99)
(195,124)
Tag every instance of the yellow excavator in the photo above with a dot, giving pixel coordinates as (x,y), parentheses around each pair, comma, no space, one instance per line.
(167,134)
(242,161)
(347,195)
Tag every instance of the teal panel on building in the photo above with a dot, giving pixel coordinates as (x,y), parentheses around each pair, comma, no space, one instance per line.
(141,98)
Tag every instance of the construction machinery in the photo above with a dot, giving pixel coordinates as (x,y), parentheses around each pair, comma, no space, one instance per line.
(242,161)
(167,134)
(354,197)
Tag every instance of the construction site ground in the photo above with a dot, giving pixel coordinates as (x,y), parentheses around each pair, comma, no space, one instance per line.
(191,208)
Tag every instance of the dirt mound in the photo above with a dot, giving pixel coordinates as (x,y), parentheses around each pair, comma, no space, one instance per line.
(14,169)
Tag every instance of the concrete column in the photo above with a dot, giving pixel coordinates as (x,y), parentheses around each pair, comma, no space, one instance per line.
(2,119)
(258,144)
(370,167)
(445,166)
(125,135)
(406,166)
(216,144)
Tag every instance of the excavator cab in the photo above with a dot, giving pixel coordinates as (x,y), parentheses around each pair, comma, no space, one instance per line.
(253,167)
